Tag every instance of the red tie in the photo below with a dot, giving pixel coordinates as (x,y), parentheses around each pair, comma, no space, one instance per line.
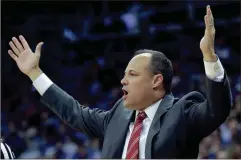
(133,146)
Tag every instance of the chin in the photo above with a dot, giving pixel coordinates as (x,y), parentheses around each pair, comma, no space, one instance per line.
(125,104)
(128,105)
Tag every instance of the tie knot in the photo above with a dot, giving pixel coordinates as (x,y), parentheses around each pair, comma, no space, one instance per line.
(141,116)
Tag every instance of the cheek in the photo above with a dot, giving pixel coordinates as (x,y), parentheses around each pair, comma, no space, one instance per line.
(141,88)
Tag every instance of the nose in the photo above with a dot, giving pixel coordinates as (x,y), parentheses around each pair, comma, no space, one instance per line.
(124,81)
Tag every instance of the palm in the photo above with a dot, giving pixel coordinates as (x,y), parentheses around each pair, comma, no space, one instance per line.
(205,45)
(27,60)
(23,55)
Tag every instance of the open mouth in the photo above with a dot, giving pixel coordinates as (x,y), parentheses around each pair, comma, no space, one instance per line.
(125,93)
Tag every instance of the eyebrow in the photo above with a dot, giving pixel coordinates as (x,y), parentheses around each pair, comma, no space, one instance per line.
(131,71)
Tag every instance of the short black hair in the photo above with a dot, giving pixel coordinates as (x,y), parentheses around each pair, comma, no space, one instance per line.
(160,64)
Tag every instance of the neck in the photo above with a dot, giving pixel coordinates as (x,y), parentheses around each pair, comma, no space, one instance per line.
(153,99)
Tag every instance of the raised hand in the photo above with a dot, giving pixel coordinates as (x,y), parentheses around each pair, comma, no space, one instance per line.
(207,42)
(27,61)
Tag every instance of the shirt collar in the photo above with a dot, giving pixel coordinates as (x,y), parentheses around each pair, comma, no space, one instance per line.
(151,110)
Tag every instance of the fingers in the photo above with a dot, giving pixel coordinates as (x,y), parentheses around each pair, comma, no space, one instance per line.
(12,55)
(38,48)
(208,19)
(207,7)
(209,11)
(24,42)
(17,44)
(15,50)
(207,24)
(210,14)
(18,47)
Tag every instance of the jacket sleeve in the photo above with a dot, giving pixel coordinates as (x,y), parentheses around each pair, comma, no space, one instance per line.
(91,121)
(206,115)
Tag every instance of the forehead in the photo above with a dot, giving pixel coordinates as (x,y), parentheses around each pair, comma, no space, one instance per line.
(139,62)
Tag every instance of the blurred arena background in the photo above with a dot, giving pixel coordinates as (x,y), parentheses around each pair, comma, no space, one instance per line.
(87,47)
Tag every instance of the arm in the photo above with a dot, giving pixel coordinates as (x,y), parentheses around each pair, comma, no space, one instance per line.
(204,116)
(91,121)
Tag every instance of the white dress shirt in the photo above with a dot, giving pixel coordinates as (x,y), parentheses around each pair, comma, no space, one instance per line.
(150,112)
(213,70)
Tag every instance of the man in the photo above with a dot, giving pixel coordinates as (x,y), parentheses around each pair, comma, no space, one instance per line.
(148,122)
(6,152)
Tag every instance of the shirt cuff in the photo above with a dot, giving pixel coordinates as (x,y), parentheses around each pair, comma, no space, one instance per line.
(214,70)
(42,83)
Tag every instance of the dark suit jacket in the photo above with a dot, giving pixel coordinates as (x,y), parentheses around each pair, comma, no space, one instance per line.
(177,128)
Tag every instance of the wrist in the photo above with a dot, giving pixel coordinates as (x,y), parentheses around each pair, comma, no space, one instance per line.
(210,57)
(34,74)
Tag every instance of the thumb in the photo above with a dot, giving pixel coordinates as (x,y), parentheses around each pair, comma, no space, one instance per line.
(38,48)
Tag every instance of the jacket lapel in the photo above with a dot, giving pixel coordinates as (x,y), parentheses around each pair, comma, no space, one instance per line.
(165,104)
(116,139)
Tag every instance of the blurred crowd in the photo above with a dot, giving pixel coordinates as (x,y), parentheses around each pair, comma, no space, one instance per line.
(91,74)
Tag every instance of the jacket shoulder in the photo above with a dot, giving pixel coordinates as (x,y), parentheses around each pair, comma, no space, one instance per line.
(114,107)
(193,96)
(189,99)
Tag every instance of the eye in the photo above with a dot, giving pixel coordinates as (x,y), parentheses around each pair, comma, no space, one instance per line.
(132,74)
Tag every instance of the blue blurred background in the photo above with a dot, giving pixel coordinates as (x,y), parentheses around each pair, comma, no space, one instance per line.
(87,47)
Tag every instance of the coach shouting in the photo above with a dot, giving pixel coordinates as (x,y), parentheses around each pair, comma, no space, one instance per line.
(148,122)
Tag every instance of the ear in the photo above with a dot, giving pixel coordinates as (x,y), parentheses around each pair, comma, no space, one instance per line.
(157,80)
